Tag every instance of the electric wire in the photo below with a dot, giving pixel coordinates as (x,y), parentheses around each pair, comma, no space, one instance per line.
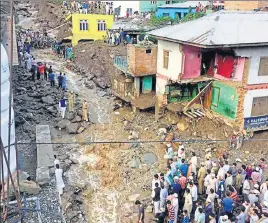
(140,142)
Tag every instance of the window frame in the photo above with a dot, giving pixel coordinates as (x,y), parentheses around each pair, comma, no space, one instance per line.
(84,25)
(102,25)
(153,2)
(165,57)
(261,71)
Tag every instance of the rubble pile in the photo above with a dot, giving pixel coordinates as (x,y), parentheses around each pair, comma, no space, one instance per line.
(94,61)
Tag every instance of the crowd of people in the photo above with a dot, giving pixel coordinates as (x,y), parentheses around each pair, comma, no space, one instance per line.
(117,37)
(89,7)
(208,192)
(41,71)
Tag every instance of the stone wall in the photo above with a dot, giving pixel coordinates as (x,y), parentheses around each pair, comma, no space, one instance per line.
(142,63)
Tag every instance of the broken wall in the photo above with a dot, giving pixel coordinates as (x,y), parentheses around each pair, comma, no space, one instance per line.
(254,54)
(224,100)
(192,62)
(142,59)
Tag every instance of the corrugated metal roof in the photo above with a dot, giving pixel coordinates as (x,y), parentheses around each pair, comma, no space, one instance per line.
(220,28)
(187,4)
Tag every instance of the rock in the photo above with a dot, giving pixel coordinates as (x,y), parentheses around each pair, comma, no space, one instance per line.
(162,131)
(23,175)
(52,110)
(134,197)
(42,175)
(134,163)
(63,123)
(70,115)
(77,119)
(29,187)
(19,120)
(133,135)
(48,100)
(81,129)
(181,127)
(72,128)
(102,93)
(62,157)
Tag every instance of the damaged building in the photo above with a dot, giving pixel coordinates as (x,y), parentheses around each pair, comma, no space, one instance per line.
(137,79)
(217,63)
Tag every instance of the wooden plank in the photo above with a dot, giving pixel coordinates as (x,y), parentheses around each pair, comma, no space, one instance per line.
(200,112)
(196,113)
(188,115)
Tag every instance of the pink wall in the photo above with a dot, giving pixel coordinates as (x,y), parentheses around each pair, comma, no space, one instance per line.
(192,62)
(238,72)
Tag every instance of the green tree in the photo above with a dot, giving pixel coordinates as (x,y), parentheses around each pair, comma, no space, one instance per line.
(193,16)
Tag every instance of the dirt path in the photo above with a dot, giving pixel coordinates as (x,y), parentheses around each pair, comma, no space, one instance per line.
(99,106)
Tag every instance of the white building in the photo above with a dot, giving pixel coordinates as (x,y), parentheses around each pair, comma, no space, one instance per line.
(127,6)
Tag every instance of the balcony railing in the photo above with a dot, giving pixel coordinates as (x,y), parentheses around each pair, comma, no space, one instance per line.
(121,62)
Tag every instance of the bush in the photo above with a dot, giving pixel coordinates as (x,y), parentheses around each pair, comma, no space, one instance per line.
(193,16)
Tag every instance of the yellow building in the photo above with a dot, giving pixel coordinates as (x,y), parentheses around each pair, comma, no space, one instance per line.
(89,26)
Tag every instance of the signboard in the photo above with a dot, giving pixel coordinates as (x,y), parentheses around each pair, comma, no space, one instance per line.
(258,123)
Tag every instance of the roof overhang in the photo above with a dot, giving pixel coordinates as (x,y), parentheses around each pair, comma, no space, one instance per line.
(211,46)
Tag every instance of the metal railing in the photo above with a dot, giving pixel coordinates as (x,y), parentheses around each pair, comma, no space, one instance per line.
(121,62)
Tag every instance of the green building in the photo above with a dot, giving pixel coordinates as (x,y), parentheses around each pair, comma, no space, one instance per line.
(149,6)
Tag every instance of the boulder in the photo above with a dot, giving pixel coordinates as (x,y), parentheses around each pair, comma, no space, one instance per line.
(72,128)
(42,175)
(29,187)
(48,100)
(70,115)
(19,120)
(63,123)
(81,129)
(77,119)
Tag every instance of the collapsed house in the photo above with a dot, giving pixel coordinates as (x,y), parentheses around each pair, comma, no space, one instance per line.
(218,62)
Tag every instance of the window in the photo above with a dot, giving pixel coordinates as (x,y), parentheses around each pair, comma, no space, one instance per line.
(153,2)
(165,59)
(101,25)
(148,51)
(165,14)
(259,106)
(129,11)
(263,68)
(215,96)
(83,25)
(168,2)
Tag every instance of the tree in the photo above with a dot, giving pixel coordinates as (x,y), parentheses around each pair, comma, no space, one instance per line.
(193,16)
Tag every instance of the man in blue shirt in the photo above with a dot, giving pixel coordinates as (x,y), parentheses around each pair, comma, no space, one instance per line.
(62,107)
(228,204)
(184,168)
(51,77)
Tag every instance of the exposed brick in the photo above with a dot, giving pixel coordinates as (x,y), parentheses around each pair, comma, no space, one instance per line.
(141,63)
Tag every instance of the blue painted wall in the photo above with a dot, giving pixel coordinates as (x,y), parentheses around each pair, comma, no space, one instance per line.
(147,6)
(172,12)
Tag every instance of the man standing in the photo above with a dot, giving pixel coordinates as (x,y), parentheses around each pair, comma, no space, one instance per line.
(171,212)
(41,68)
(62,107)
(45,71)
(84,111)
(228,204)
(188,204)
(60,78)
(141,211)
(156,198)
(59,180)
(51,77)
(200,177)
(71,101)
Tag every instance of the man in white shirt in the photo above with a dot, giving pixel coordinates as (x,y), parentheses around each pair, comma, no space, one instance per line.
(59,180)
(226,167)
(56,161)
(194,194)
